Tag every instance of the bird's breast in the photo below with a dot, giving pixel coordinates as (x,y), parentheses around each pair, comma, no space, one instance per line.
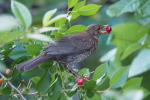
(76,58)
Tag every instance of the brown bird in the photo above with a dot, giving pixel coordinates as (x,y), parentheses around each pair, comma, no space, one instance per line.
(69,49)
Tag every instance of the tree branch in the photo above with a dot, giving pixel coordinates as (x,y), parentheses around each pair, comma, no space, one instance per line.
(32,93)
(13,87)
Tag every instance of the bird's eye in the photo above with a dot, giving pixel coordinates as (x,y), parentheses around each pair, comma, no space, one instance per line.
(98,28)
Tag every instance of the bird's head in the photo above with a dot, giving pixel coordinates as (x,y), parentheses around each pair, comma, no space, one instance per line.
(96,29)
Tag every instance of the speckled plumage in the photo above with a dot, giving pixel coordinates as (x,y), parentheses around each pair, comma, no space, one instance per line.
(69,49)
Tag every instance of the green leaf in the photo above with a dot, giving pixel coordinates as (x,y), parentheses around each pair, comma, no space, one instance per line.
(13,35)
(130,49)
(6,48)
(89,84)
(18,53)
(142,20)
(140,64)
(18,44)
(57,34)
(89,93)
(110,95)
(124,35)
(144,39)
(6,23)
(2,35)
(30,72)
(48,15)
(127,33)
(100,71)
(74,14)
(36,79)
(44,82)
(75,29)
(6,91)
(27,90)
(62,28)
(144,27)
(15,73)
(22,13)
(74,87)
(40,37)
(81,96)
(95,97)
(88,9)
(108,55)
(79,5)
(71,3)
(33,49)
(56,90)
(133,83)
(71,93)
(63,97)
(119,77)
(144,8)
(132,95)
(111,68)
(49,98)
(101,79)
(123,6)
(46,29)
(54,79)
(51,21)
(60,22)
(45,65)
(84,72)
(146,92)
(147,41)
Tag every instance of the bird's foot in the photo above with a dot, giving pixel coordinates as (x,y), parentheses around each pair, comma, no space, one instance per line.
(75,73)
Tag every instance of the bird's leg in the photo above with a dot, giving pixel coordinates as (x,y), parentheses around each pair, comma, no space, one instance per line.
(75,73)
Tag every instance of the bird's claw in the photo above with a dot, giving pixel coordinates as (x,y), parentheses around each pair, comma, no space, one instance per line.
(74,73)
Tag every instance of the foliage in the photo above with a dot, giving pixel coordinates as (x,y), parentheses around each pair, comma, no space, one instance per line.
(22,42)
(139,7)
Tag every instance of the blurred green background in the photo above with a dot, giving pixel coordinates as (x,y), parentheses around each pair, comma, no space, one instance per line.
(39,7)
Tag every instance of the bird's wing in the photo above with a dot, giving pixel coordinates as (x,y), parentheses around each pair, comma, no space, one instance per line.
(83,40)
(70,44)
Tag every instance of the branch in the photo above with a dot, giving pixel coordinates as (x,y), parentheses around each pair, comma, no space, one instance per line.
(13,87)
(32,93)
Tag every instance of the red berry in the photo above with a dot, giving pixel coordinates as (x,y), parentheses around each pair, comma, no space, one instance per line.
(1,81)
(80,81)
(22,80)
(8,71)
(87,78)
(108,29)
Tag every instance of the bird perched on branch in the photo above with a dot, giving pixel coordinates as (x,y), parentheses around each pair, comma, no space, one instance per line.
(69,49)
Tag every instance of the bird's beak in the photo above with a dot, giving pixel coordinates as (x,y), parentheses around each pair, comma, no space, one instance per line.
(103,31)
(104,26)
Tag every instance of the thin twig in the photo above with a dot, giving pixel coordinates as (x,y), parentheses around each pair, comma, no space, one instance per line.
(13,87)
(89,73)
(33,93)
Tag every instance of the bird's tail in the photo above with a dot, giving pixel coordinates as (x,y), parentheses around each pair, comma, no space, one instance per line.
(32,63)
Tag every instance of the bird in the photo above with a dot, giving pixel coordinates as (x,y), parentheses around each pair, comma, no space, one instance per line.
(69,49)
